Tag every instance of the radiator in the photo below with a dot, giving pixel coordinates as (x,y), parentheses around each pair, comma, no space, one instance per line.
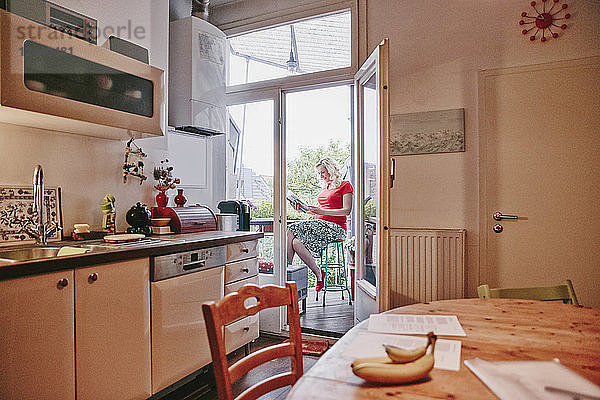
(426,265)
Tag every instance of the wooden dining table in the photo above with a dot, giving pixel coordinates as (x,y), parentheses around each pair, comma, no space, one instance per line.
(496,330)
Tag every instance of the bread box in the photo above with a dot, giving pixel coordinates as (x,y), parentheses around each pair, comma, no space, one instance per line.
(187,219)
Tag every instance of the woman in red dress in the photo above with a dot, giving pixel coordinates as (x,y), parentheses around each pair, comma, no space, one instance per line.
(308,238)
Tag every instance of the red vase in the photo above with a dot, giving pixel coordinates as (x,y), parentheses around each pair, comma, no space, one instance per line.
(180,200)
(161,199)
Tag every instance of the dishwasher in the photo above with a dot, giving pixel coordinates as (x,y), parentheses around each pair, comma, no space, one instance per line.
(180,283)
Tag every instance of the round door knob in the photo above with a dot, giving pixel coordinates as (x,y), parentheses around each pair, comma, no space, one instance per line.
(497,228)
(93,277)
(62,283)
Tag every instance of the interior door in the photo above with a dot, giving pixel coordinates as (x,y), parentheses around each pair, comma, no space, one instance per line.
(540,163)
(372,163)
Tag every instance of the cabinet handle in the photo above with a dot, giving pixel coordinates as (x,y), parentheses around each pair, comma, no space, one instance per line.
(245,270)
(245,250)
(93,277)
(246,328)
(62,283)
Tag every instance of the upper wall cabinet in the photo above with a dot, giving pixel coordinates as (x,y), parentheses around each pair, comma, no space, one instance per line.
(53,81)
(197,77)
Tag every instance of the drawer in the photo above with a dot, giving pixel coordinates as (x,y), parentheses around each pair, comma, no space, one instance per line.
(240,332)
(241,270)
(235,286)
(242,250)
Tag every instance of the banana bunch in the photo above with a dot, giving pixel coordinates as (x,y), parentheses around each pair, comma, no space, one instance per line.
(399,366)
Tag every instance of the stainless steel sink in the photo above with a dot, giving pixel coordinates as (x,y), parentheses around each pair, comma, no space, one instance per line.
(28,253)
(41,252)
(95,247)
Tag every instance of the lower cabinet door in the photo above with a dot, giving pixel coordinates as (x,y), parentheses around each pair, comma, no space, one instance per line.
(37,359)
(179,340)
(112,325)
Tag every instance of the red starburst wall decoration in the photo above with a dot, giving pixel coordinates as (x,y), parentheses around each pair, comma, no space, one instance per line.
(542,20)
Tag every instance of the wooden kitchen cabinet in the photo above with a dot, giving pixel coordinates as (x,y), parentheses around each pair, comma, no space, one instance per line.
(36,335)
(112,325)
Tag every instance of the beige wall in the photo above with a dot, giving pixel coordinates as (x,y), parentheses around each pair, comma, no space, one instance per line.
(436,51)
(89,168)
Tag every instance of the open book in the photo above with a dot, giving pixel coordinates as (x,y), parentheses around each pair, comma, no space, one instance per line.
(297,202)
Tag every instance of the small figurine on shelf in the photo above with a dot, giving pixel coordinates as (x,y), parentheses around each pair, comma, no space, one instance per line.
(109,215)
(164,176)
(133,164)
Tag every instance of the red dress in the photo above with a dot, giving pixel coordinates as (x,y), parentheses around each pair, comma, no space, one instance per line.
(332,199)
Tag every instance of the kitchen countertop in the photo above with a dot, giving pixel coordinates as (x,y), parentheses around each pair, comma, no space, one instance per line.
(160,245)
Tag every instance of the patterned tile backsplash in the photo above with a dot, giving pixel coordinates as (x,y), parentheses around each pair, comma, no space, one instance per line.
(16,211)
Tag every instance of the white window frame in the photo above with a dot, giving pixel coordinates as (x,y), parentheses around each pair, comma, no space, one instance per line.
(304,80)
(275,89)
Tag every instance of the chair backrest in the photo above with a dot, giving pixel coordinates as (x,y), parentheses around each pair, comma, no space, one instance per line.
(234,306)
(563,291)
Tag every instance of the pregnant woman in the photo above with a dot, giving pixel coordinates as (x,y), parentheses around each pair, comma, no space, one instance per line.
(308,238)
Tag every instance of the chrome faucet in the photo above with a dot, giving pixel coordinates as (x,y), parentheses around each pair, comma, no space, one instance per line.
(42,229)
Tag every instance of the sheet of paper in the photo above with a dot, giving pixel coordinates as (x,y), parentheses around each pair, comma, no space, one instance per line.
(446,325)
(528,380)
(367,344)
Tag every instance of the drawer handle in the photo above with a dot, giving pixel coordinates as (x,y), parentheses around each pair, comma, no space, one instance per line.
(245,270)
(246,328)
(64,282)
(245,250)
(195,264)
(93,277)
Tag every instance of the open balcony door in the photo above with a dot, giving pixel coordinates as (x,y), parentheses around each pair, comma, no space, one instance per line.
(373,181)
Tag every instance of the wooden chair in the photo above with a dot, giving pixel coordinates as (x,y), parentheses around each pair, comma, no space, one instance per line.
(234,306)
(563,291)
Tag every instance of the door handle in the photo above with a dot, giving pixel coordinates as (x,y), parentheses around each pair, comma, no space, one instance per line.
(393,173)
(498,216)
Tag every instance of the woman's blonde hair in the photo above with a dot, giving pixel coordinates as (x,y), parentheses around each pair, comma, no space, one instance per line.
(333,170)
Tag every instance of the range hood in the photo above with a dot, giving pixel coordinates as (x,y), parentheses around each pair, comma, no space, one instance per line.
(197,77)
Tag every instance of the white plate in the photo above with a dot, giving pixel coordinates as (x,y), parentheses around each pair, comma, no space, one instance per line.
(126,237)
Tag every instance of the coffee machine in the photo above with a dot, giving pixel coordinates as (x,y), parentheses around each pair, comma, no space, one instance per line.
(239,207)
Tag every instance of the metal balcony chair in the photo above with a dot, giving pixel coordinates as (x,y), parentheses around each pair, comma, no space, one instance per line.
(337,267)
(236,305)
(563,291)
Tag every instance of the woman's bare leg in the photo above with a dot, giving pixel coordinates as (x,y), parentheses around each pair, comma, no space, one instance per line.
(289,248)
(307,257)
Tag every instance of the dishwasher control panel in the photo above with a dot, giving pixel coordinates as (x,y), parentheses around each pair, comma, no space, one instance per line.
(171,265)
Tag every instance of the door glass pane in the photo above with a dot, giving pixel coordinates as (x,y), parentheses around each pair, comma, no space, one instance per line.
(318,125)
(253,169)
(371,155)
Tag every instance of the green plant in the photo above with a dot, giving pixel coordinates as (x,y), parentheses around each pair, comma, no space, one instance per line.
(370,209)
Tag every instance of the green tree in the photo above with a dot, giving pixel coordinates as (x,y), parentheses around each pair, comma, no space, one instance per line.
(302,177)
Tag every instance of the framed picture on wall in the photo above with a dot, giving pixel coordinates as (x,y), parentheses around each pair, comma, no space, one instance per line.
(427,132)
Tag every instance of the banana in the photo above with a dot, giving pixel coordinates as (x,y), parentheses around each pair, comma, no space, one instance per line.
(400,355)
(368,360)
(394,373)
